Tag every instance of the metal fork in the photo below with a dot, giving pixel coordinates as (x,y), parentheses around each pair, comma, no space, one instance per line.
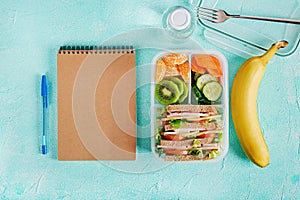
(219,16)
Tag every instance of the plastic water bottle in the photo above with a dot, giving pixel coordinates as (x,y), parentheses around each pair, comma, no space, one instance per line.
(179,22)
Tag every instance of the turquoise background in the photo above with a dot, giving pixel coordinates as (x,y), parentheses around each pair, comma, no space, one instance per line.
(30,34)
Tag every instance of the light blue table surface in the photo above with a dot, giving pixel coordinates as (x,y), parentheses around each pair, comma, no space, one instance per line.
(30,34)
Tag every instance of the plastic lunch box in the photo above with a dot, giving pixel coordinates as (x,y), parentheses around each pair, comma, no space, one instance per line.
(251,37)
(189,144)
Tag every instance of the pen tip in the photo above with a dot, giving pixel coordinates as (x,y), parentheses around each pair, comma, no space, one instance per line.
(44,149)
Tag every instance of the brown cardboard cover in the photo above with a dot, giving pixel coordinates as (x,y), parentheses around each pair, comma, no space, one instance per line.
(96,105)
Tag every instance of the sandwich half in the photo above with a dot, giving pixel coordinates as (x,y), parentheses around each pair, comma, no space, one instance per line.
(189,132)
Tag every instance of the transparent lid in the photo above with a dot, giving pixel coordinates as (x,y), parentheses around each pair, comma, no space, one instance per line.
(251,36)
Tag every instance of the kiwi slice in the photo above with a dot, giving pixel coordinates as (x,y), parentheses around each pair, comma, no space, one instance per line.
(184,93)
(180,84)
(167,92)
(183,89)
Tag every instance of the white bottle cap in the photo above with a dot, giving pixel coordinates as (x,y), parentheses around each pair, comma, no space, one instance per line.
(179,18)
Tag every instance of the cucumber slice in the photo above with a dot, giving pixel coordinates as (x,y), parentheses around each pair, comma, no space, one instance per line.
(203,79)
(212,90)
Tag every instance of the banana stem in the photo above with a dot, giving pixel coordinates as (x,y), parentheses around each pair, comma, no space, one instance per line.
(271,52)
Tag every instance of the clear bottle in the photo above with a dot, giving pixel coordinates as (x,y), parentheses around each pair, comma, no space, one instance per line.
(178,22)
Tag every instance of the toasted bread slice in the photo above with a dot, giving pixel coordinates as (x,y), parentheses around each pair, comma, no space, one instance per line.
(192,108)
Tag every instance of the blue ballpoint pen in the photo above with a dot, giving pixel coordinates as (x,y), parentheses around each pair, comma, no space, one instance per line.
(45,107)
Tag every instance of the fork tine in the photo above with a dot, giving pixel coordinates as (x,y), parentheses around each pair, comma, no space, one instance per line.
(204,8)
(204,11)
(206,15)
(204,18)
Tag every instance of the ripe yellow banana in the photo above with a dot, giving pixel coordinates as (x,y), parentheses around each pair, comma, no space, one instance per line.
(243,106)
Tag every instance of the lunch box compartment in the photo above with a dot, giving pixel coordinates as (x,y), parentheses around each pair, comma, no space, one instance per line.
(168,78)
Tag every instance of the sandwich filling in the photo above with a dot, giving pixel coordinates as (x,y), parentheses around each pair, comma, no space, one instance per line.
(189,132)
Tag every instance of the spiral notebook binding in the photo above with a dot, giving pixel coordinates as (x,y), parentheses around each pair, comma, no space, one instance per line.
(96,49)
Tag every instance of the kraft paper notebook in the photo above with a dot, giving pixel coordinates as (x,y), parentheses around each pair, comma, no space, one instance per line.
(96,103)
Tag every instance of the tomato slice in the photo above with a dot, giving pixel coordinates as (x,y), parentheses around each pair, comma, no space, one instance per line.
(210,135)
(173,137)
